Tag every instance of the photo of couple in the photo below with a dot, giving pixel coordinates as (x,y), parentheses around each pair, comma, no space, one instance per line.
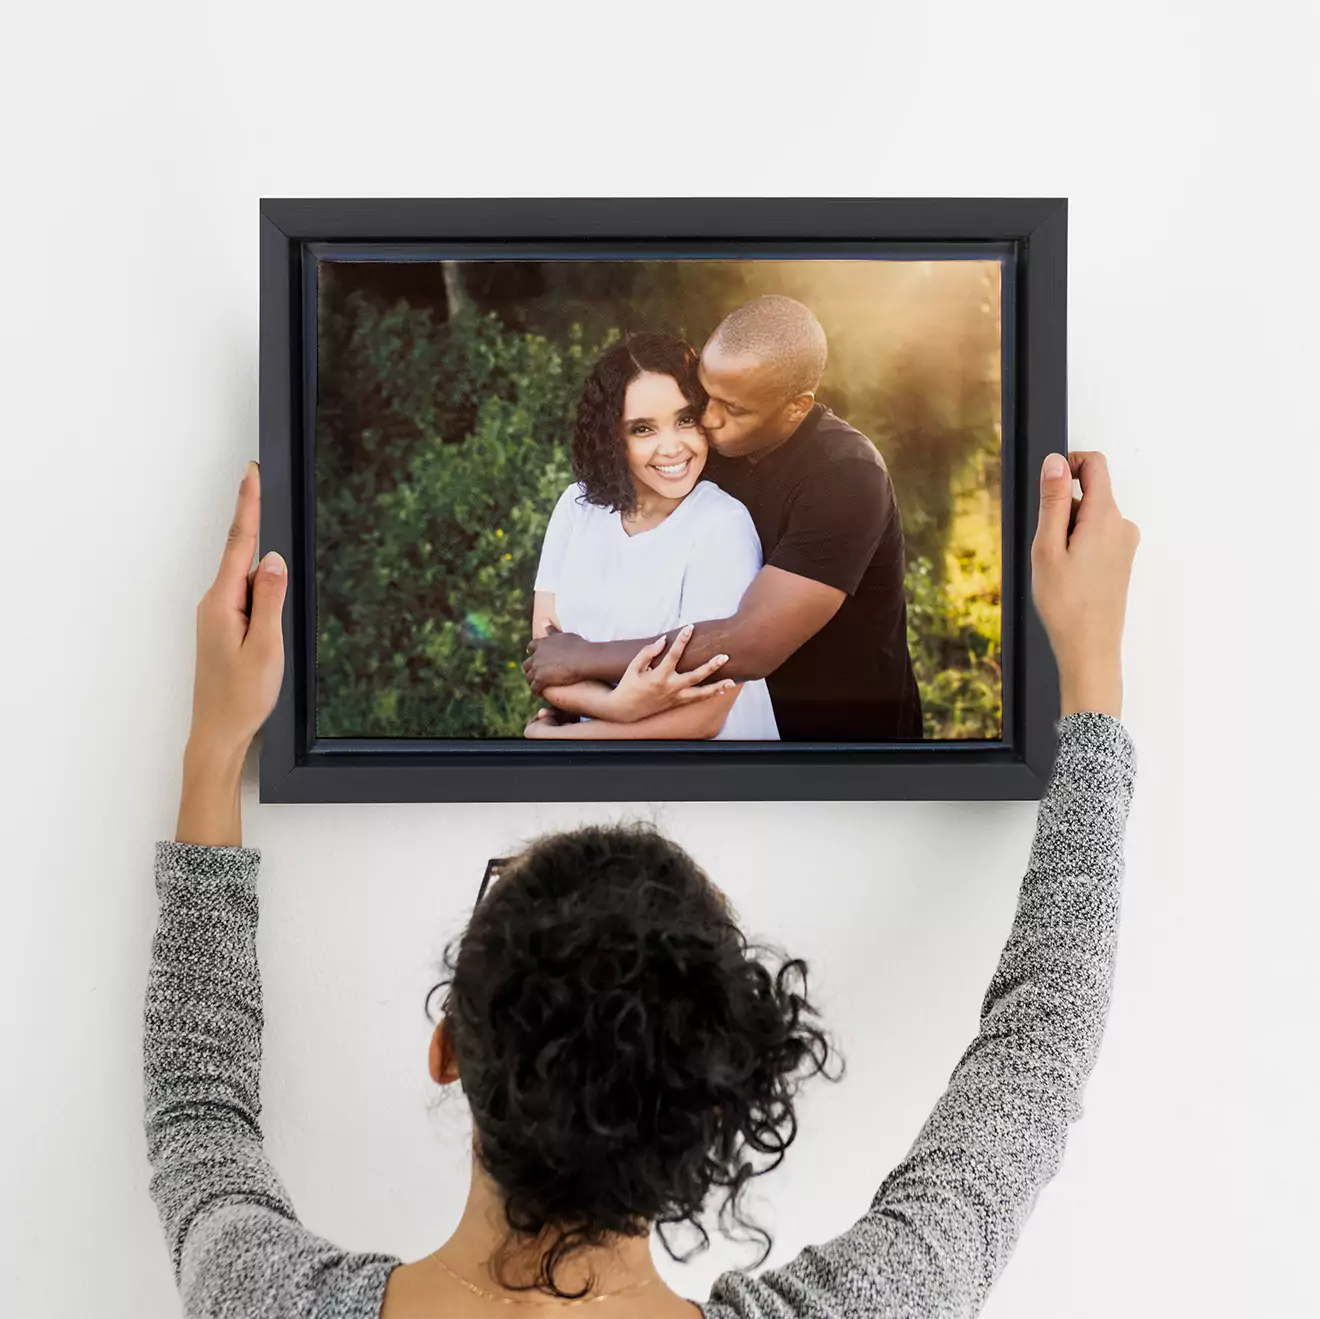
(581,524)
(716,494)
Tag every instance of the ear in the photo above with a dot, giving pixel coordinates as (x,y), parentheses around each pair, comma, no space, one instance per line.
(799,407)
(441,1062)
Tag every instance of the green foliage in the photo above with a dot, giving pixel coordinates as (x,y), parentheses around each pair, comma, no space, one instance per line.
(427,549)
(955,617)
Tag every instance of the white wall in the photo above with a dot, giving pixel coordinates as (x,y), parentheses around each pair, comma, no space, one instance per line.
(138,138)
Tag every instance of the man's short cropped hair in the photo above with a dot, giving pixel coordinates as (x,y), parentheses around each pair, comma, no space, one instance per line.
(781,334)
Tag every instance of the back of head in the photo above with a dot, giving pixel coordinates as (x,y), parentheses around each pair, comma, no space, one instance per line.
(622,1047)
(782,335)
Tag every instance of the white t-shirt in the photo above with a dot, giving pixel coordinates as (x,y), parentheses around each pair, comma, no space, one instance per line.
(610,586)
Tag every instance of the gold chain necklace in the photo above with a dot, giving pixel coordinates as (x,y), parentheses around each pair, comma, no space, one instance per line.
(510,1300)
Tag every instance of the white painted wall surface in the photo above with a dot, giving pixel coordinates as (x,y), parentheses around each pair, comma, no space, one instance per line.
(137,140)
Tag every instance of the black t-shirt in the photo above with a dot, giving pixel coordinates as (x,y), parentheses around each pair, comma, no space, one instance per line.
(824,508)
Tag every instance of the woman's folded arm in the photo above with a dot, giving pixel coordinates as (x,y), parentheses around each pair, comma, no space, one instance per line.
(694,721)
(593,699)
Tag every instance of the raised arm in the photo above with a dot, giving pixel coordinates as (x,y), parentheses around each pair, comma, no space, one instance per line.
(944,1222)
(234,1241)
(221,1204)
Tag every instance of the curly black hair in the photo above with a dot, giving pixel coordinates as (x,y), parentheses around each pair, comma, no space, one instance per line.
(600,452)
(622,1046)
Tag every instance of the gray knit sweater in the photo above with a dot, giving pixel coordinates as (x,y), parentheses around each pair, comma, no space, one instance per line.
(938,1232)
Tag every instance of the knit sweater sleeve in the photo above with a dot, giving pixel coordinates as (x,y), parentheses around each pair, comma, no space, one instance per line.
(944,1222)
(235,1243)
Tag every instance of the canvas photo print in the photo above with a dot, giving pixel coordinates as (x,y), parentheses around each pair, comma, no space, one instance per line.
(532,475)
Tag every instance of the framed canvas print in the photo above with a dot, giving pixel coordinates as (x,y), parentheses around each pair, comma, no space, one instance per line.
(659,499)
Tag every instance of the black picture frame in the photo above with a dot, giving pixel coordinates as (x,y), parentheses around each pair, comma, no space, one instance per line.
(297,767)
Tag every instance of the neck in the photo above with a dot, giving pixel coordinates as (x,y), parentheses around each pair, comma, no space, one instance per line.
(777,442)
(651,506)
(624,1262)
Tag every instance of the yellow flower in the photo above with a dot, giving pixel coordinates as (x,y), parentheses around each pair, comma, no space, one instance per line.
(499,531)
(508,556)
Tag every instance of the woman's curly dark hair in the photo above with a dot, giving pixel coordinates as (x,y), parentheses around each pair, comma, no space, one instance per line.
(622,1046)
(600,452)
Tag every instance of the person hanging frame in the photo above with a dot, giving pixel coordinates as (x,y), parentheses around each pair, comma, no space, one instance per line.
(488,421)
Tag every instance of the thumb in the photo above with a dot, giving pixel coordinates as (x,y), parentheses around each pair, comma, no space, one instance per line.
(1055,504)
(270,584)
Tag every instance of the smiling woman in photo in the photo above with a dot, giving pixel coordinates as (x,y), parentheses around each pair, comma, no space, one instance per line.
(640,545)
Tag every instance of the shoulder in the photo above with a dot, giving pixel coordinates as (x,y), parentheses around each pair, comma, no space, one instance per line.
(836,442)
(842,488)
(717,508)
(844,479)
(571,521)
(243,1258)
(720,541)
(574,496)
(572,504)
(842,463)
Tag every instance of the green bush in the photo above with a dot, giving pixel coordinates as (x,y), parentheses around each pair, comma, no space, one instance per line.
(955,617)
(427,548)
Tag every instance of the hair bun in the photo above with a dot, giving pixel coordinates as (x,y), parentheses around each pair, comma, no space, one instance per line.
(624,1051)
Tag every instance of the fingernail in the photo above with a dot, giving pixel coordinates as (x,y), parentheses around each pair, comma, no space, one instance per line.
(272,563)
(687,631)
(721,659)
(247,471)
(1056,465)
